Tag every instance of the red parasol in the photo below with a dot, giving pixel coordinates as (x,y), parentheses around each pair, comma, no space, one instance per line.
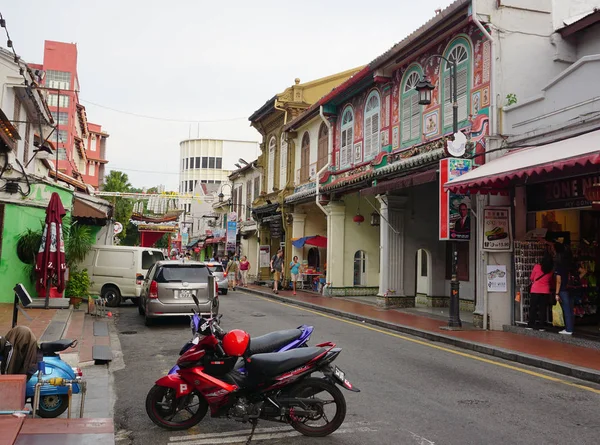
(50,262)
(318,241)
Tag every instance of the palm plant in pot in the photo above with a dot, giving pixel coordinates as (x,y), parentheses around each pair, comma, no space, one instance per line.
(78,243)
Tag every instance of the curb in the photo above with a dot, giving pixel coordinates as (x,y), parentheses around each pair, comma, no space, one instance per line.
(505,354)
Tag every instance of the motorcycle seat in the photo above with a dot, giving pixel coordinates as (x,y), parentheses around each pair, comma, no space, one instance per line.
(273,341)
(50,347)
(275,363)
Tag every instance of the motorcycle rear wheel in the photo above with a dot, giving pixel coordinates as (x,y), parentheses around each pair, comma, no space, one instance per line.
(162,406)
(310,387)
(52,406)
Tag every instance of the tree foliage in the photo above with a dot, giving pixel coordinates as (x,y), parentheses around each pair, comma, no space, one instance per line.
(117,181)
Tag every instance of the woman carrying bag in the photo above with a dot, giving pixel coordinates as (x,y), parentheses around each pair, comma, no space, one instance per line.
(562,294)
(541,288)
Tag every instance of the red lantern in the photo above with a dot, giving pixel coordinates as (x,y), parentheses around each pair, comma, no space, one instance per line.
(358,218)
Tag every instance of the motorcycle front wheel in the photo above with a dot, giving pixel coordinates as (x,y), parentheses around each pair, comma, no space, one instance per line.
(322,422)
(53,405)
(171,413)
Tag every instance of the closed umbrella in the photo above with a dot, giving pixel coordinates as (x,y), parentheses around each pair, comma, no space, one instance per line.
(50,262)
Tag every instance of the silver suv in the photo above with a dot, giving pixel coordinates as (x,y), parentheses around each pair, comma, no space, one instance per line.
(169,288)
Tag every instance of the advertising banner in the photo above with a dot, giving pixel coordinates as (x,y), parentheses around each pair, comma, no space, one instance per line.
(455,218)
(497,233)
(496,278)
(265,256)
(231,235)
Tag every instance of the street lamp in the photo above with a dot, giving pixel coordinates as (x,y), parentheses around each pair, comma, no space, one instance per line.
(424,88)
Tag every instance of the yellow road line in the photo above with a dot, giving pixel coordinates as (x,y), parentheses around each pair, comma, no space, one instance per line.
(441,348)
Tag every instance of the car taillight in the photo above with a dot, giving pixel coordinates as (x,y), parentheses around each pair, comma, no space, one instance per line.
(153,293)
(139,279)
(216,288)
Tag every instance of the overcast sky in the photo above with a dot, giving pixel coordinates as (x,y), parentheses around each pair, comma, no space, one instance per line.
(192,60)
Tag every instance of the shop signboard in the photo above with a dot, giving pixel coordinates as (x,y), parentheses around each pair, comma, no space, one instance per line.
(561,194)
(496,278)
(455,218)
(231,235)
(264,256)
(497,233)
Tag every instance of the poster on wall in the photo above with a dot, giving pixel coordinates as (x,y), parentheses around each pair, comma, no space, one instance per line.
(497,233)
(496,278)
(231,235)
(455,218)
(264,256)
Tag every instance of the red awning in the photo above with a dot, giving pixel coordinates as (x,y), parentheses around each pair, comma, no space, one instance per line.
(497,175)
(215,240)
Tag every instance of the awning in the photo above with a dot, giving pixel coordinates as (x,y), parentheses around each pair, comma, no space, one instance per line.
(496,175)
(215,240)
(402,182)
(85,206)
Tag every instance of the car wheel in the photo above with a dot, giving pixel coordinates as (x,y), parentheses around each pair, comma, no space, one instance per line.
(135,301)
(224,292)
(148,321)
(141,310)
(112,296)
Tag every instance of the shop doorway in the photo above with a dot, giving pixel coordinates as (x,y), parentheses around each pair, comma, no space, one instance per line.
(360,268)
(314,259)
(423,272)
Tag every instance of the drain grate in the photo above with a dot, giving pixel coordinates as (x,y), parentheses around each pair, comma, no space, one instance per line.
(128,332)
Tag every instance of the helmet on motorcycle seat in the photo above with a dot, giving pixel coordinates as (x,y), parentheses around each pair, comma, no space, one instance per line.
(236,342)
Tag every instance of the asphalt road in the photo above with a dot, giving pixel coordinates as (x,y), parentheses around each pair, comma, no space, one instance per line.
(412,391)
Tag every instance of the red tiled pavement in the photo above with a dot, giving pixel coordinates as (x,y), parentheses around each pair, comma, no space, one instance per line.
(41,318)
(548,349)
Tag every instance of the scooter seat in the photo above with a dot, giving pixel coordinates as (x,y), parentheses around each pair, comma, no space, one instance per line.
(273,341)
(50,347)
(275,363)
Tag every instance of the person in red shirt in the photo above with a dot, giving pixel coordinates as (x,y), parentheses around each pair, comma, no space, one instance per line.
(542,279)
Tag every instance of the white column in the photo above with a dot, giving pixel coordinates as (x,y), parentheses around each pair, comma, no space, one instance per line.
(297,231)
(336,217)
(391,229)
(480,267)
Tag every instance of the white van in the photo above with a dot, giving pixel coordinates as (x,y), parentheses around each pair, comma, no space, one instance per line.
(118,272)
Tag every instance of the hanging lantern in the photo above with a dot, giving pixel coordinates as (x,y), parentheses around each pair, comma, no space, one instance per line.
(358,218)
(592,194)
(375,219)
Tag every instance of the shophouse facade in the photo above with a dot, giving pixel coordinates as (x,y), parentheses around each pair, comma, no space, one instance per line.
(549,171)
(277,165)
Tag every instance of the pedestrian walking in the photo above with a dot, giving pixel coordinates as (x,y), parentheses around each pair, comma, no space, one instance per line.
(277,269)
(542,282)
(295,271)
(232,271)
(562,295)
(244,269)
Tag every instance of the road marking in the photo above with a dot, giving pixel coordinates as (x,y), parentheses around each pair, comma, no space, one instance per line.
(241,436)
(440,348)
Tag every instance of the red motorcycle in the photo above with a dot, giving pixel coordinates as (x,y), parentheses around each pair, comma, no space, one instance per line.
(276,386)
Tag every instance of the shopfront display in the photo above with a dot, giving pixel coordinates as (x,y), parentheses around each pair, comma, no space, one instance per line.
(561,211)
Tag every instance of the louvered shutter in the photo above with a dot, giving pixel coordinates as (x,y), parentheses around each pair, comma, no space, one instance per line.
(415,118)
(406,113)
(447,101)
(368,137)
(283,164)
(375,142)
(462,95)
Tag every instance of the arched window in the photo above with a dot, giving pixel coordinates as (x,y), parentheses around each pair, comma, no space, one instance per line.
(283,161)
(360,268)
(372,113)
(411,110)
(347,138)
(271,166)
(459,52)
(323,149)
(304,157)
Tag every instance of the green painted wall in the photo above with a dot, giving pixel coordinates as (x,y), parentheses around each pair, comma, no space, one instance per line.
(17,219)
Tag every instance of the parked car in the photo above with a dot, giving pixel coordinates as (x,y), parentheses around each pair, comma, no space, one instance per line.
(117,272)
(169,288)
(219,272)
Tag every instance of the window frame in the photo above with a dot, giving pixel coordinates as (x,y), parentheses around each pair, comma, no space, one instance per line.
(305,158)
(411,94)
(346,151)
(372,150)
(272,149)
(322,146)
(445,70)
(204,161)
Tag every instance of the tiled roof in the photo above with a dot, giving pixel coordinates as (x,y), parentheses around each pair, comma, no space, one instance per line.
(300,195)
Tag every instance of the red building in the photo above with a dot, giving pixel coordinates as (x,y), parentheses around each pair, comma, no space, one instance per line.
(81,145)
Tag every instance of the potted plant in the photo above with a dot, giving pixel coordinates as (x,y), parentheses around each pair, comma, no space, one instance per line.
(78,287)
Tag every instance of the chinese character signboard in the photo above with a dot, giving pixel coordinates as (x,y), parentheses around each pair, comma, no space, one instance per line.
(455,218)
(496,278)
(231,235)
(497,233)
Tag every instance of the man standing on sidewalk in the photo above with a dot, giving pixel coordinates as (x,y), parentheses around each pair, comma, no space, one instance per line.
(277,269)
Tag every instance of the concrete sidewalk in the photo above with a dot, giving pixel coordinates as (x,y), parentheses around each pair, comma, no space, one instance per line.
(557,356)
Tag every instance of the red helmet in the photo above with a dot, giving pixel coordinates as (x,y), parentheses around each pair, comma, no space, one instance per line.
(236,342)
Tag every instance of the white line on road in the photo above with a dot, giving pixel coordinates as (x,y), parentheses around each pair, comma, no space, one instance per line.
(278,431)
